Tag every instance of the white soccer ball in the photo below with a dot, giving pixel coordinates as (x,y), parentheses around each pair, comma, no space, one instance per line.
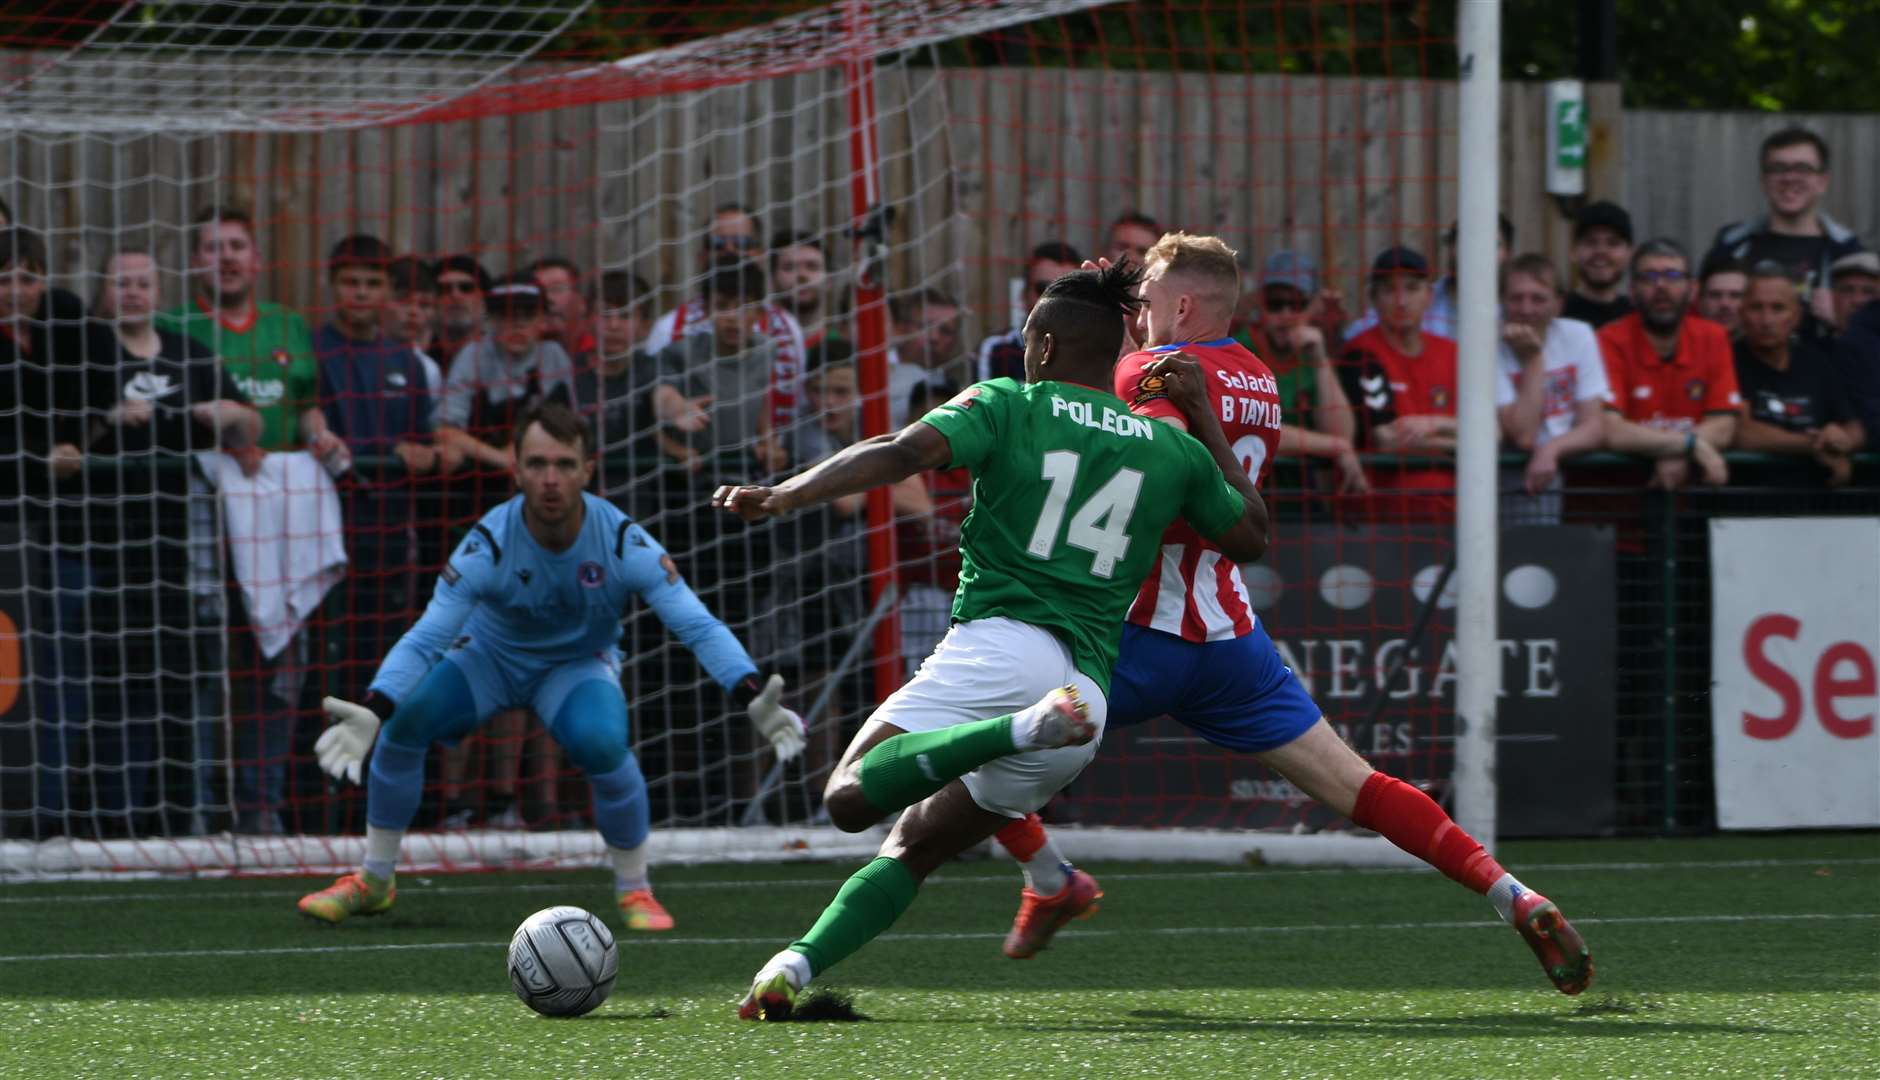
(562,961)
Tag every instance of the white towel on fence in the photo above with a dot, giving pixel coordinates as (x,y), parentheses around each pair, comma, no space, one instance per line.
(284,536)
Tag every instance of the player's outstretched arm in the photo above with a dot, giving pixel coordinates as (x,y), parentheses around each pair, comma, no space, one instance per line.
(871,463)
(352,726)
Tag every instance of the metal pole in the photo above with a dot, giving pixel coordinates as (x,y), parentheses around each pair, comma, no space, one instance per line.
(1478,657)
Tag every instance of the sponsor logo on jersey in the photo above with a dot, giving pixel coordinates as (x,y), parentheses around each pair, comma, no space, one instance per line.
(261,392)
(282,357)
(590,575)
(963,400)
(1695,389)
(1151,388)
(1376,391)
(150,386)
(1439,397)
(1082,412)
(1246,380)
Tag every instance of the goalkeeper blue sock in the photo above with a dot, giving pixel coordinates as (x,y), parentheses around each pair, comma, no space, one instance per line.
(394,784)
(620,807)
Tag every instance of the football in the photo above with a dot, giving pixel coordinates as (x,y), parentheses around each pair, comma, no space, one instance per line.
(562,961)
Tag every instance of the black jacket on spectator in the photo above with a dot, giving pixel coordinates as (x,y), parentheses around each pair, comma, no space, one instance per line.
(1803,398)
(43,399)
(137,482)
(1808,257)
(1857,354)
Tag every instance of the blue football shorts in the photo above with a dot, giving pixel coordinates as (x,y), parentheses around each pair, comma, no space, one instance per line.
(1236,694)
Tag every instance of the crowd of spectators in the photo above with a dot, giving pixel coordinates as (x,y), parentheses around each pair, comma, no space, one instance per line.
(405,393)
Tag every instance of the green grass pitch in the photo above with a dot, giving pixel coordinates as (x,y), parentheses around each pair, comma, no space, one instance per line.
(1731,956)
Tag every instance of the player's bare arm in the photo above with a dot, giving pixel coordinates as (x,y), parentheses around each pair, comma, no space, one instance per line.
(862,466)
(1246,540)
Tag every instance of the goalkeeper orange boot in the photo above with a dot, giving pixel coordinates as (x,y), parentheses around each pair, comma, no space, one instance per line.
(354,894)
(1562,952)
(1039,917)
(642,912)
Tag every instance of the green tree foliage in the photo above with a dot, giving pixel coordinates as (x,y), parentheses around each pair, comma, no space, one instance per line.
(1775,55)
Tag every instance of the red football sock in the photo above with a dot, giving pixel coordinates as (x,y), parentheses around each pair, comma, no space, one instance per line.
(1022,838)
(1413,821)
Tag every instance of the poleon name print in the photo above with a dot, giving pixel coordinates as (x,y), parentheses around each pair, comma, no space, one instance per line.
(1081,412)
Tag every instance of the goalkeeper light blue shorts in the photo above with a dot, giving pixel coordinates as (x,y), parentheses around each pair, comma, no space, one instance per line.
(1236,694)
(501,679)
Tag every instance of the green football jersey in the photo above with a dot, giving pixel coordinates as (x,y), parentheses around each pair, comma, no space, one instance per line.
(1071,492)
(271,359)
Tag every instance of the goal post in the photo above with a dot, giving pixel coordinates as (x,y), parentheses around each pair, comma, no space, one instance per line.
(888,169)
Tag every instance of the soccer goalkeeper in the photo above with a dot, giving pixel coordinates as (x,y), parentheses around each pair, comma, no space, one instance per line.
(527,613)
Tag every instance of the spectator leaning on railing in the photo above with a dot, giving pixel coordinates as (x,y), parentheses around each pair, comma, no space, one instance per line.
(1287,337)
(1794,400)
(1551,383)
(1402,381)
(1674,396)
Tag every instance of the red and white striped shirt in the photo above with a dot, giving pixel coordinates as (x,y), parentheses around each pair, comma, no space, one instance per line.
(773,322)
(1195,591)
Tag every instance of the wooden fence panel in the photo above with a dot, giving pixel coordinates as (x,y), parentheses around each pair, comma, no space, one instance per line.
(981,165)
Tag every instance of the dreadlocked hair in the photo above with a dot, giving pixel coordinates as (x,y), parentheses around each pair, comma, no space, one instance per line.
(1084,311)
(1112,289)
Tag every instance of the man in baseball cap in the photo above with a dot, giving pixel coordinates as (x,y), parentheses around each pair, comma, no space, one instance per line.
(1602,247)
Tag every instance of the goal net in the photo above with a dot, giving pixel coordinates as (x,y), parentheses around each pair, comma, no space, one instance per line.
(807,222)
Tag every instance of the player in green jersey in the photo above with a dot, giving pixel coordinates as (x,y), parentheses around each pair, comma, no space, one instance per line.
(1070,497)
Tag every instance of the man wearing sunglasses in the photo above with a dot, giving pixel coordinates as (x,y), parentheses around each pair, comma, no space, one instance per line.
(462,283)
(1794,233)
(1672,377)
(1319,422)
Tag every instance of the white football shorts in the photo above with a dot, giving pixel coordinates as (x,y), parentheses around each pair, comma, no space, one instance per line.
(986,668)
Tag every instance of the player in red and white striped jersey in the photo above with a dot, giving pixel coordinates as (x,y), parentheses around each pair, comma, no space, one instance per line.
(1193,650)
(1195,593)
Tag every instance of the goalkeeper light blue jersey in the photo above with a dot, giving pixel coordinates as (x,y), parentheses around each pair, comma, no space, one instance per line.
(541,608)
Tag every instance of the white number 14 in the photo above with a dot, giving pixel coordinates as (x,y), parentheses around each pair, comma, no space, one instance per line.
(1097,526)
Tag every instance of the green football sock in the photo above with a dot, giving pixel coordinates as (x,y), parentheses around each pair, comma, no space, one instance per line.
(867,904)
(907,768)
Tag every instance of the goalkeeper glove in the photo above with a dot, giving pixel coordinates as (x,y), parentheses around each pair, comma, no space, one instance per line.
(343,746)
(783,727)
